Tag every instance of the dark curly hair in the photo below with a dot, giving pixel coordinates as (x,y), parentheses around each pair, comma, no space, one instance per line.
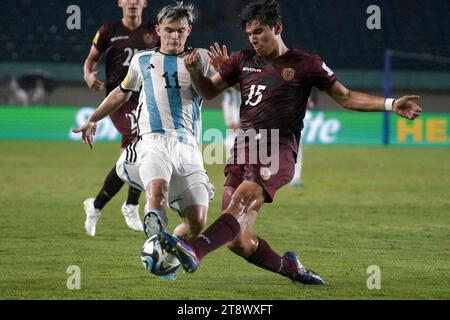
(267,12)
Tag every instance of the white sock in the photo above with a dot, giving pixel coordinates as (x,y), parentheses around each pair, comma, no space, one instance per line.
(299,165)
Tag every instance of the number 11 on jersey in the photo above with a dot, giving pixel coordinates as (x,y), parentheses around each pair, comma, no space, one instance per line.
(177,82)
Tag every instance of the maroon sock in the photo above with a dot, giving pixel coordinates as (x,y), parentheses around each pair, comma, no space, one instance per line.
(265,258)
(222,230)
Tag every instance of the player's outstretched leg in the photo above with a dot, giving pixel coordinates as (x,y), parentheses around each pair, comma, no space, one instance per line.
(221,231)
(263,256)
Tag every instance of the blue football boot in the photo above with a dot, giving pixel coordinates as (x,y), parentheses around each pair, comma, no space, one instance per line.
(304,275)
(181,250)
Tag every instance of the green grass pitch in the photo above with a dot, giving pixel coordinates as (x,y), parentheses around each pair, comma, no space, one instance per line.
(359,207)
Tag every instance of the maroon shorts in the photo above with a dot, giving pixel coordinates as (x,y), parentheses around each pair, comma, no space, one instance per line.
(125,121)
(271,175)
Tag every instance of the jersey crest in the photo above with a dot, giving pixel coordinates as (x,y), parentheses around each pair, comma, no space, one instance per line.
(288,74)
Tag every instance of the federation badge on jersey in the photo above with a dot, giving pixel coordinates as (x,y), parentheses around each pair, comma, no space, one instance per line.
(288,74)
(265,173)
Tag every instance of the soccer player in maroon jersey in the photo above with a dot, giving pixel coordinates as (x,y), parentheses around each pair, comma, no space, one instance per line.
(275,83)
(118,42)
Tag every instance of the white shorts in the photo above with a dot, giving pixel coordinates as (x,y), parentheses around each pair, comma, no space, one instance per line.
(160,157)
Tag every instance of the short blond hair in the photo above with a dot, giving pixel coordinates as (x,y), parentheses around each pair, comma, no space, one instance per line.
(177,11)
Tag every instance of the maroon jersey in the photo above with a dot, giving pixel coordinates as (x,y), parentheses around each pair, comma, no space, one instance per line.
(274,96)
(275,93)
(119,44)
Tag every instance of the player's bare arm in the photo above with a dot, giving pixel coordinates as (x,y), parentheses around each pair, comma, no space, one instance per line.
(112,102)
(208,88)
(90,74)
(405,106)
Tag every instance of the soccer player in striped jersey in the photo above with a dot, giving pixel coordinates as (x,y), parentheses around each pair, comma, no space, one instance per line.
(165,162)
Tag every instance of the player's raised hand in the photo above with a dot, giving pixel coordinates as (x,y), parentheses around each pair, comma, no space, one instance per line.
(92,81)
(191,62)
(87,130)
(405,107)
(218,55)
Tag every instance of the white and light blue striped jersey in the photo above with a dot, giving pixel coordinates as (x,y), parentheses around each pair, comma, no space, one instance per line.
(168,102)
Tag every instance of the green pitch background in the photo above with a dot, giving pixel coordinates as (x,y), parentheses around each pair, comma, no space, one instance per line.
(360,206)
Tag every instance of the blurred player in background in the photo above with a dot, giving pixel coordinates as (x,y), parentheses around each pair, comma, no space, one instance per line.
(275,83)
(119,41)
(297,180)
(231,105)
(165,161)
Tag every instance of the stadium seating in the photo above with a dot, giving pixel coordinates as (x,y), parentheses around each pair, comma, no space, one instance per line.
(35,31)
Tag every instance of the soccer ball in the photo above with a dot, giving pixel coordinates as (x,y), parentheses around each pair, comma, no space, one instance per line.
(156,260)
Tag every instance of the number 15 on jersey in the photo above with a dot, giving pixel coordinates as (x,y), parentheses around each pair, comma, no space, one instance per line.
(255,96)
